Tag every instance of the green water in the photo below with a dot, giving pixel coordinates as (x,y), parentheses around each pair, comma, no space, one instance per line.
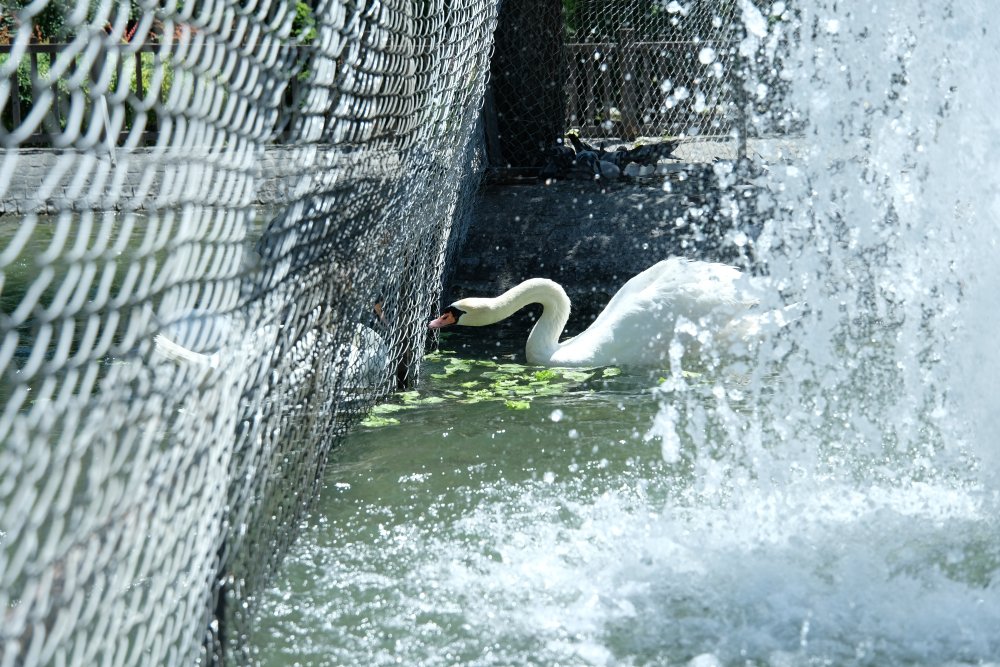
(395,491)
(506,515)
(482,531)
(81,264)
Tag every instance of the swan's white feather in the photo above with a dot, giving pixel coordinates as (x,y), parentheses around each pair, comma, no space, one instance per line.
(642,319)
(674,301)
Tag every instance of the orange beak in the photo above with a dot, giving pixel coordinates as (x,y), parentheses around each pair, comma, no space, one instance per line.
(447,319)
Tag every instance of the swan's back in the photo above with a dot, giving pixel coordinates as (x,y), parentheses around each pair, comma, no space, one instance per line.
(641,320)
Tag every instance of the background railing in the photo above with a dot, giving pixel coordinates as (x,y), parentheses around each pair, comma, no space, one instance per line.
(621,88)
(624,72)
(34,75)
(650,88)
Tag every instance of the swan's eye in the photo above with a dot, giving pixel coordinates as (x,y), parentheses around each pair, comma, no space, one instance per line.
(455,313)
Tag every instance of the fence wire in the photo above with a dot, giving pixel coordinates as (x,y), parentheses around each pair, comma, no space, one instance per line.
(222,226)
(175,362)
(651,68)
(629,71)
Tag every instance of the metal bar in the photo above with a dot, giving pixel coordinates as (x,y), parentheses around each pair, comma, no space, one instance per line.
(57,110)
(641,98)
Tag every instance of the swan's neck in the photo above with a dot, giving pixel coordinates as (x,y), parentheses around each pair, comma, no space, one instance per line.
(544,337)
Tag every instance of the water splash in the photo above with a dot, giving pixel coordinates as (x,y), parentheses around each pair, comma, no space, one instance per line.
(884,228)
(835,503)
(846,489)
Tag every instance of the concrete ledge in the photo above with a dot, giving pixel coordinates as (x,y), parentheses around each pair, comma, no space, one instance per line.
(47,181)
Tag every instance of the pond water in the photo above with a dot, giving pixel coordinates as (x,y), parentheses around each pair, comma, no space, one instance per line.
(521,516)
(834,502)
(101,253)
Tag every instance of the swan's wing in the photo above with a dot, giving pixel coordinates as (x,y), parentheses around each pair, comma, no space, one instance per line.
(634,287)
(639,323)
(679,287)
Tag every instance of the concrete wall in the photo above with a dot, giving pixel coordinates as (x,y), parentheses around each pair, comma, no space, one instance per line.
(46,180)
(592,237)
(588,239)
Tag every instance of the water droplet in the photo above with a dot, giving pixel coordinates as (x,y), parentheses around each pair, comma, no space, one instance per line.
(675,7)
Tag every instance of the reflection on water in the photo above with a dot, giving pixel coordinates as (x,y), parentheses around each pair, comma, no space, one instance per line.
(73,285)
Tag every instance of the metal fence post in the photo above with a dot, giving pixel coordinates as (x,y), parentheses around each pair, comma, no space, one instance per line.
(629,98)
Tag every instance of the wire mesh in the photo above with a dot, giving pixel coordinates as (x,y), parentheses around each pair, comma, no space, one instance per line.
(175,363)
(651,68)
(628,71)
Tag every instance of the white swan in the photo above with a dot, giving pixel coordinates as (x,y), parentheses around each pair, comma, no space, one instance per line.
(673,301)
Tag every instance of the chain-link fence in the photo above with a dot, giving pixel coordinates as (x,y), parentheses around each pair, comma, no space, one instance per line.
(636,71)
(652,69)
(176,362)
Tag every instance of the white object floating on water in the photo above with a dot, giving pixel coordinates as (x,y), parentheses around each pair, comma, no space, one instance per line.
(208,339)
(674,301)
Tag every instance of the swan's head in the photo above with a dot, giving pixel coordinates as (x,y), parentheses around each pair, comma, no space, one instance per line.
(471,312)
(450,315)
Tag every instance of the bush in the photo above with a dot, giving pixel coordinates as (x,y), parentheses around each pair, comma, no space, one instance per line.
(49,25)
(24,87)
(56,120)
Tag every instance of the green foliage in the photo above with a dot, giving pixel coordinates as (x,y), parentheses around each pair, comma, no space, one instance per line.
(49,24)
(471,381)
(304,23)
(570,18)
(24,86)
(148,68)
(304,33)
(56,120)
